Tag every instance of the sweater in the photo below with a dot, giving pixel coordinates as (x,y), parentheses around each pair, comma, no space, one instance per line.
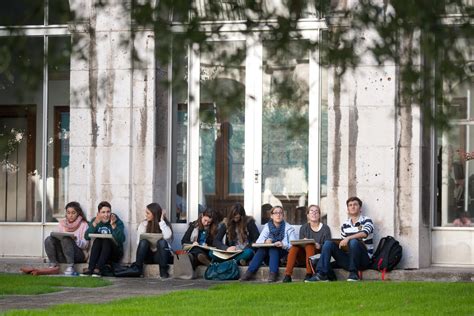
(106,228)
(81,242)
(165,230)
(320,236)
(290,234)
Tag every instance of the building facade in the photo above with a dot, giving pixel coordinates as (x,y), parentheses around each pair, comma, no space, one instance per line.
(109,121)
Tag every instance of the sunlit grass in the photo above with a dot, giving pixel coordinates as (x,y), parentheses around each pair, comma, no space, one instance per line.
(16,284)
(335,298)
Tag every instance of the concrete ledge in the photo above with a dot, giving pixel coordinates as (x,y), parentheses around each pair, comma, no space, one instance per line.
(12,265)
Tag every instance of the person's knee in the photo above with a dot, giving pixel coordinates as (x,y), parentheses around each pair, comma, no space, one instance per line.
(49,241)
(143,244)
(353,244)
(327,246)
(162,244)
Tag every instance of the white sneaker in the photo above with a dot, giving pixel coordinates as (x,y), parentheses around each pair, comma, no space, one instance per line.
(69,271)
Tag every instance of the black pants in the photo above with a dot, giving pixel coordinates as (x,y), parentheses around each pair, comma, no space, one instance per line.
(102,252)
(162,255)
(63,250)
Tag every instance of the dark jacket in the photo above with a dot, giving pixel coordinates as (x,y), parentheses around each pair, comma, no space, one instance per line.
(252,234)
(193,227)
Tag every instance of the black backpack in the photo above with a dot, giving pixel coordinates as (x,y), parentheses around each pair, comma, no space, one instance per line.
(387,255)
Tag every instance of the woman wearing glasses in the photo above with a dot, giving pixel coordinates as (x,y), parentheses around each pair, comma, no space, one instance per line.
(315,230)
(278,233)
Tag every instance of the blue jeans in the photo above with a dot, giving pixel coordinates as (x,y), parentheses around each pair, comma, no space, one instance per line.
(162,255)
(274,254)
(357,258)
(246,255)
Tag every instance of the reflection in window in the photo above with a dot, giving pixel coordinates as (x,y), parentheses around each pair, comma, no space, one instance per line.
(222,117)
(285,129)
(455,155)
(179,134)
(58,126)
(21,107)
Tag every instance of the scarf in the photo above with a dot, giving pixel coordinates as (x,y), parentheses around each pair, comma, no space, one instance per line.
(72,227)
(276,233)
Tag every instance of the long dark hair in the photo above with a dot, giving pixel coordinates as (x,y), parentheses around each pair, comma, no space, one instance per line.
(240,227)
(213,227)
(154,225)
(77,207)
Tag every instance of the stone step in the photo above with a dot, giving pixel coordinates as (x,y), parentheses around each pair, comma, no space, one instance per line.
(153,271)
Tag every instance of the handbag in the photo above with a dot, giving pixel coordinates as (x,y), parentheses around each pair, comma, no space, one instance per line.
(182,266)
(221,271)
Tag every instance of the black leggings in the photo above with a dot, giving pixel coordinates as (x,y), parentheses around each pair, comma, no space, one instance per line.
(102,252)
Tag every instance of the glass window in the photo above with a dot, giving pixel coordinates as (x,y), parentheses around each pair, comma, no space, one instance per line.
(21,112)
(455,151)
(285,129)
(180,134)
(222,117)
(22,12)
(58,126)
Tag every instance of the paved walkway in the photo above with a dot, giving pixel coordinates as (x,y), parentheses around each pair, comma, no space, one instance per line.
(121,288)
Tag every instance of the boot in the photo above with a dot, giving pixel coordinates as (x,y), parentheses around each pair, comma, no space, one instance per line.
(203,259)
(248,276)
(164,274)
(272,277)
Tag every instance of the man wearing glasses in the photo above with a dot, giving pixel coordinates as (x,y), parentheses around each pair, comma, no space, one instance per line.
(357,233)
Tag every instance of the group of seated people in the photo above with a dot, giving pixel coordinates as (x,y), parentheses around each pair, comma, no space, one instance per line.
(236,232)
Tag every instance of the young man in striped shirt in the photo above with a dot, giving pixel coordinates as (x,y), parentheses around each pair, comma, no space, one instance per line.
(357,233)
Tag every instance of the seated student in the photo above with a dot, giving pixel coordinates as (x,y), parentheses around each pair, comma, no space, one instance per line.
(156,222)
(239,232)
(280,233)
(201,232)
(357,233)
(313,229)
(66,249)
(104,250)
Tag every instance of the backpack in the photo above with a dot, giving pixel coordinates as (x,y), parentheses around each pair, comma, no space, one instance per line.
(226,270)
(387,255)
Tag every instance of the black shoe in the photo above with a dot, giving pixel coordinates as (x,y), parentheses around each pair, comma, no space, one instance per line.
(353,277)
(164,273)
(332,275)
(307,276)
(318,278)
(287,279)
(248,276)
(272,277)
(203,259)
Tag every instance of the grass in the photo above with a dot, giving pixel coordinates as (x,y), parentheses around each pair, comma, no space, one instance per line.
(335,298)
(16,284)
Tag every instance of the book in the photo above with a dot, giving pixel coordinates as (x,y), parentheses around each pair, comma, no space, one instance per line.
(102,236)
(61,235)
(225,254)
(302,242)
(263,245)
(151,237)
(191,246)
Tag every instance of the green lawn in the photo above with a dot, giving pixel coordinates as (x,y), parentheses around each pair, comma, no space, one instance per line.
(16,284)
(335,298)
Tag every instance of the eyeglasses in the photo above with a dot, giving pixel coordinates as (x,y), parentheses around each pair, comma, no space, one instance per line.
(277,213)
(313,211)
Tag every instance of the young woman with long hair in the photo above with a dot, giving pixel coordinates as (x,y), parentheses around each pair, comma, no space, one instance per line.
(315,230)
(201,232)
(278,232)
(156,223)
(237,232)
(68,250)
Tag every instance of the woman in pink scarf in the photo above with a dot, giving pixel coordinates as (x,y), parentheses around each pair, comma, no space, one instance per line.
(68,250)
